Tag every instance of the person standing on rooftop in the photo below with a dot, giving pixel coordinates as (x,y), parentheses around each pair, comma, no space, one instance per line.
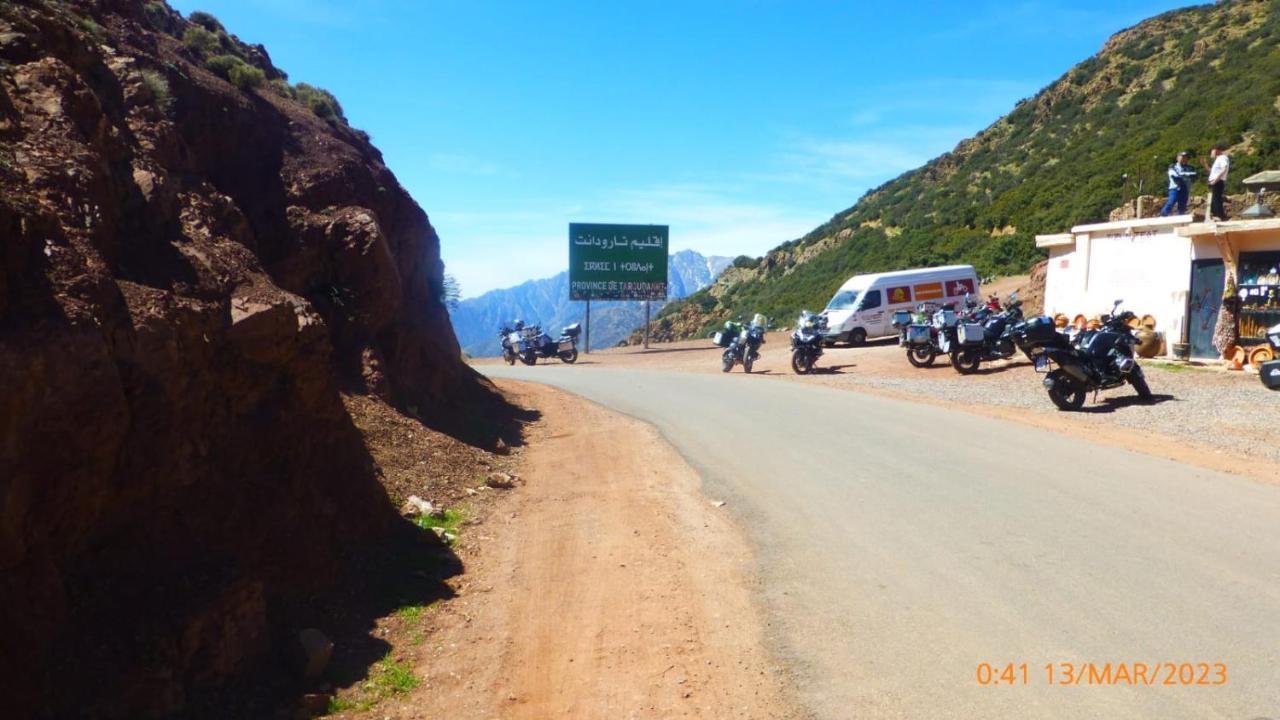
(1218,180)
(1180,174)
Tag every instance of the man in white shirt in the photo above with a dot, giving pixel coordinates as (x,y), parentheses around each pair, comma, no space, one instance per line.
(1218,180)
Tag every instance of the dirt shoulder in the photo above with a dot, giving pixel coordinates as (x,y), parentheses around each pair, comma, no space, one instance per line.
(603,585)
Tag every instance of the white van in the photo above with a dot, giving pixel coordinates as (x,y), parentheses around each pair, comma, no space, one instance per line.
(863,307)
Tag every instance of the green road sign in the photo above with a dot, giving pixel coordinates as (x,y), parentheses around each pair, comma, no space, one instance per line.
(617,262)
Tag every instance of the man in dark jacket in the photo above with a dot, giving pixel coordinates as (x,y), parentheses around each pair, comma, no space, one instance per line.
(1180,175)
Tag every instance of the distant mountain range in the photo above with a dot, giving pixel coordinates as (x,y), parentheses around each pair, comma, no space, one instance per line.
(546,302)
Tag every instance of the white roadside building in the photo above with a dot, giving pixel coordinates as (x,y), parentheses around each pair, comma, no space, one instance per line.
(1171,268)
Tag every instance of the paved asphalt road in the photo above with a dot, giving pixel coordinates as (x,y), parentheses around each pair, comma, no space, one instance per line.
(900,545)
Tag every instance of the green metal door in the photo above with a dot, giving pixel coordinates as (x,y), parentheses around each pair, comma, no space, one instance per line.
(1207,278)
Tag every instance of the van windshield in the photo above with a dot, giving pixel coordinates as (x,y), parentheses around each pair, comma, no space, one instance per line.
(844,299)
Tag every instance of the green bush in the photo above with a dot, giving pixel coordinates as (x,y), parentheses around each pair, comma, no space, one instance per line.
(199,40)
(159,88)
(746,262)
(155,15)
(320,101)
(91,27)
(246,77)
(281,87)
(236,71)
(221,65)
(206,21)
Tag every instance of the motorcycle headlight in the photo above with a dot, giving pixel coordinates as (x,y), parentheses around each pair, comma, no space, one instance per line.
(1125,365)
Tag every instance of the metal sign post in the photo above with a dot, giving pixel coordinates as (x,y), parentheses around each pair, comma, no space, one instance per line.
(646,324)
(588,341)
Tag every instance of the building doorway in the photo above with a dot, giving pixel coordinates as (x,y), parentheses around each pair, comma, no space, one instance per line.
(1207,279)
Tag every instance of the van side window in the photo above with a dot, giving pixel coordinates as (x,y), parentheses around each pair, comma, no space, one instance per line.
(870,300)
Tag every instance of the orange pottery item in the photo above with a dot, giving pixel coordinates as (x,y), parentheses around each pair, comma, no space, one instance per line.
(1261,354)
(1235,357)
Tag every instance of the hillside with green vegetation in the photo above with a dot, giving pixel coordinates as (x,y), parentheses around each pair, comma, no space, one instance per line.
(1183,80)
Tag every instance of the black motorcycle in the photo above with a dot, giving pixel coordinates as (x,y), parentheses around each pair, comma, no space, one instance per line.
(534,343)
(1269,373)
(807,341)
(985,336)
(1098,360)
(745,348)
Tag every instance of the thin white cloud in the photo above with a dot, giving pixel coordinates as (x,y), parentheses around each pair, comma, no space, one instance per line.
(463,164)
(889,134)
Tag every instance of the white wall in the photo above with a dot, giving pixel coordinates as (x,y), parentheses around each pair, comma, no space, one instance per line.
(1149,268)
(1064,280)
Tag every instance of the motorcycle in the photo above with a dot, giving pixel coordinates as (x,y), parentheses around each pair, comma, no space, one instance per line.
(985,336)
(510,339)
(807,341)
(1269,373)
(533,343)
(1100,359)
(745,347)
(927,333)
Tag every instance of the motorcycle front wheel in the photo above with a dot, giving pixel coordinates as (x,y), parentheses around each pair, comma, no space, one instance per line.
(510,357)
(747,361)
(1065,392)
(800,363)
(726,361)
(921,356)
(569,356)
(966,361)
(1139,382)
(529,358)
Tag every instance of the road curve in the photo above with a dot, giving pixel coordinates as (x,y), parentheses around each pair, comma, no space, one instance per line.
(901,545)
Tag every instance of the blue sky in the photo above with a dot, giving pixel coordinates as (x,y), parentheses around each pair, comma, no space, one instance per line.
(739,124)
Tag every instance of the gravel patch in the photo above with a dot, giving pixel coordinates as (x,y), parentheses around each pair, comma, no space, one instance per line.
(1229,412)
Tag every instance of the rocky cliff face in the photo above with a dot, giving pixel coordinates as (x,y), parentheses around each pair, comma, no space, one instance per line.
(189,273)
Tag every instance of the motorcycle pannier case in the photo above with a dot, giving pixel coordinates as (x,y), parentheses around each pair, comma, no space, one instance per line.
(722,339)
(970,333)
(572,330)
(1040,330)
(1270,373)
(918,335)
(901,318)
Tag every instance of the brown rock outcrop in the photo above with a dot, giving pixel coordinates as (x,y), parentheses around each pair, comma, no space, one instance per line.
(189,272)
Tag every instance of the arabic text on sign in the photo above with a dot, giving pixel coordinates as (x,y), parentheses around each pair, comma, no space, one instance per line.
(612,241)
